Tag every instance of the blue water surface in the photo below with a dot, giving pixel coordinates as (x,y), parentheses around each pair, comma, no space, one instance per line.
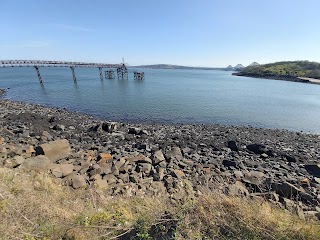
(172,96)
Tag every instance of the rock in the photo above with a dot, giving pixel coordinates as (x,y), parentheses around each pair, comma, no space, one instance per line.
(134,130)
(285,189)
(110,178)
(313,169)
(109,126)
(158,157)
(115,170)
(238,174)
(159,174)
(177,173)
(145,167)
(37,164)
(238,189)
(289,158)
(124,177)
(104,157)
(101,184)
(59,127)
(25,134)
(257,148)
(120,163)
(14,162)
(46,136)
(139,159)
(317,180)
(62,170)
(305,182)
(78,181)
(28,151)
(105,168)
(55,150)
(175,152)
(229,163)
(233,145)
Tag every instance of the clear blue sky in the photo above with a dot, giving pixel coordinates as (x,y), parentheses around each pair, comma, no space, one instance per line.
(186,32)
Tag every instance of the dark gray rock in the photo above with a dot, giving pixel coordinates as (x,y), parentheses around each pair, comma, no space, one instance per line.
(313,169)
(232,145)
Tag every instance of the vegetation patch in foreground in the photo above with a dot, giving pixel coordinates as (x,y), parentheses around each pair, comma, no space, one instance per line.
(33,206)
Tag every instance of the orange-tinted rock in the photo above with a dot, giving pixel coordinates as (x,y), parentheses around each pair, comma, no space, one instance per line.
(105,157)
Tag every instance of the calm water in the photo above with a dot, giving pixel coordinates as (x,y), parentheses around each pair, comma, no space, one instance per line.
(172,96)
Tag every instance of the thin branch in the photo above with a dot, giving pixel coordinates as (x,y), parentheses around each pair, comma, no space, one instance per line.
(121,234)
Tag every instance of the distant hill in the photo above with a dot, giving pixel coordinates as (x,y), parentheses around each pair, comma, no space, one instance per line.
(239,66)
(168,66)
(229,68)
(291,70)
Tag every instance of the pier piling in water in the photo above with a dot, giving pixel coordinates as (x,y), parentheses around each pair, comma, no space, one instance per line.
(109,74)
(122,72)
(138,75)
(73,74)
(101,75)
(38,72)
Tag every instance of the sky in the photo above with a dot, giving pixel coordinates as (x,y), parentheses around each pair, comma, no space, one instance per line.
(209,33)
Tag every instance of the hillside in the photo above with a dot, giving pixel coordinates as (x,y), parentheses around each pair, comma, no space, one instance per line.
(294,71)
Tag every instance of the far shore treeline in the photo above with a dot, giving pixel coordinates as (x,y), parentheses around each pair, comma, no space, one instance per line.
(288,70)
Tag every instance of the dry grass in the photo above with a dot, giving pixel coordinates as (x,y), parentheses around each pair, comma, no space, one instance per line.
(36,207)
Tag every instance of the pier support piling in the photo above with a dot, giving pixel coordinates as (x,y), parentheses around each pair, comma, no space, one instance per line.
(109,74)
(138,75)
(101,75)
(73,74)
(39,76)
(122,72)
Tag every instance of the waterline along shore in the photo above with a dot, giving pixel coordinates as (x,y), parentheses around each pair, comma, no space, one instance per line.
(174,163)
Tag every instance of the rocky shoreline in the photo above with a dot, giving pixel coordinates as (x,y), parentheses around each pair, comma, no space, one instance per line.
(81,151)
(275,77)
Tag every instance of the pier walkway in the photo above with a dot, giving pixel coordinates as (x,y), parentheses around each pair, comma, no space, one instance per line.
(121,68)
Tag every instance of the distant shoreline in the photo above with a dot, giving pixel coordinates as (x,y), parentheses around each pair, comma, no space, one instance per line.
(168,66)
(280,77)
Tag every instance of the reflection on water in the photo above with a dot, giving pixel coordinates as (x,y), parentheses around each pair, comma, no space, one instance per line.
(172,96)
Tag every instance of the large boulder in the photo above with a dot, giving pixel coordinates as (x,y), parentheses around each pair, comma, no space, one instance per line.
(37,164)
(55,150)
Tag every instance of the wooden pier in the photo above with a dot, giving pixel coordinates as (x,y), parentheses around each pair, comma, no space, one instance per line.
(121,68)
